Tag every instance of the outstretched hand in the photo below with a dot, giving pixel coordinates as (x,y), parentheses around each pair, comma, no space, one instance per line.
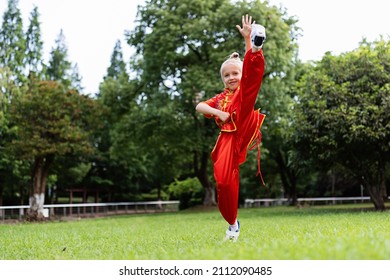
(246,28)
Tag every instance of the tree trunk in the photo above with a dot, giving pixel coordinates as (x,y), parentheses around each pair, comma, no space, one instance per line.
(1,198)
(35,213)
(383,189)
(376,197)
(288,178)
(209,198)
(1,193)
(201,174)
(38,188)
(377,189)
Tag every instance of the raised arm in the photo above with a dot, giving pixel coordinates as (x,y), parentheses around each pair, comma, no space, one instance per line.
(246,30)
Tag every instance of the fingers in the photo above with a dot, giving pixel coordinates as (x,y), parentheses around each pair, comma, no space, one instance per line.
(246,20)
(246,23)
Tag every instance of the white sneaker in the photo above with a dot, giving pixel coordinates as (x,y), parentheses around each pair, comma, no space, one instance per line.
(232,235)
(258,36)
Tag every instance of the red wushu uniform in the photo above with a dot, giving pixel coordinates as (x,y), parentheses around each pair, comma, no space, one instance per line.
(238,134)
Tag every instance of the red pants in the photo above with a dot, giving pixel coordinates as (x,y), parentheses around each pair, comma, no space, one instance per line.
(231,148)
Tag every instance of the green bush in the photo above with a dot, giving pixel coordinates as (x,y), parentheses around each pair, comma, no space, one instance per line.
(189,192)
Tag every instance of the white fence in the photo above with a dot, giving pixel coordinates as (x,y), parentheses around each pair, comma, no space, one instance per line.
(92,209)
(306,200)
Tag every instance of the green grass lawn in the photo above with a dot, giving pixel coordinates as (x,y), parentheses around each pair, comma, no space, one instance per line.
(274,233)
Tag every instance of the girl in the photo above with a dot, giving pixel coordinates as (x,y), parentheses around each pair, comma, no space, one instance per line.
(233,111)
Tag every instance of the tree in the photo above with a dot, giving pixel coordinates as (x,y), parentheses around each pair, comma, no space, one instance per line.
(278,137)
(48,122)
(5,97)
(117,66)
(76,78)
(180,46)
(343,117)
(59,68)
(11,179)
(150,134)
(12,42)
(119,165)
(114,167)
(33,60)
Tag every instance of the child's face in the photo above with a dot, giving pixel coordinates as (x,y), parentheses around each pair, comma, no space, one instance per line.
(231,76)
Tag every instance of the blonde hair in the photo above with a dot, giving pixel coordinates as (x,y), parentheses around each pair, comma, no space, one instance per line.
(234,59)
